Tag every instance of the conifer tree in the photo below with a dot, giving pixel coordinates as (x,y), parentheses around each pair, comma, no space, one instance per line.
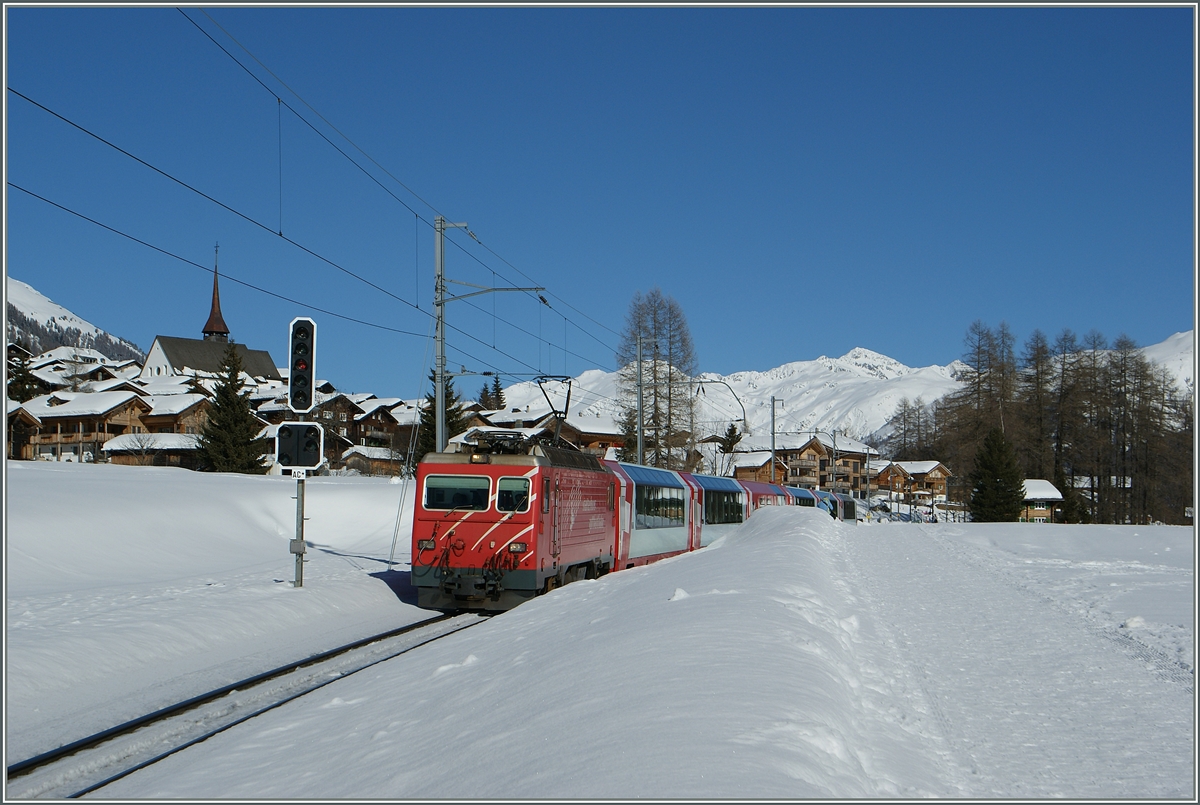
(22,386)
(498,401)
(456,420)
(628,450)
(998,489)
(227,442)
(485,398)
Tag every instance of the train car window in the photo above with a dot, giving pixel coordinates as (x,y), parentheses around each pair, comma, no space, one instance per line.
(546,494)
(722,507)
(468,492)
(512,495)
(659,507)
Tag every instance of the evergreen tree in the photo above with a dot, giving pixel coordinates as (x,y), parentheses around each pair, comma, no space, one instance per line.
(628,450)
(731,438)
(998,490)
(227,442)
(498,401)
(22,385)
(485,398)
(456,420)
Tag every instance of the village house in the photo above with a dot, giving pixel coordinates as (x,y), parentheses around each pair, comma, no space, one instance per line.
(756,466)
(593,434)
(1042,500)
(834,464)
(75,425)
(915,482)
(22,425)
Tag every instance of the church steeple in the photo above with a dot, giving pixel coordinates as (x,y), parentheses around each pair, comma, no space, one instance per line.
(214,328)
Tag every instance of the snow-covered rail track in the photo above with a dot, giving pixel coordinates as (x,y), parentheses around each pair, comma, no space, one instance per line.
(93,762)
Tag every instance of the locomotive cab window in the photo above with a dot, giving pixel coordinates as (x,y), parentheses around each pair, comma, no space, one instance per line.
(469,492)
(512,495)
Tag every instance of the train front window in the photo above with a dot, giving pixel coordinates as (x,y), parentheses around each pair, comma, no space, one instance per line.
(468,492)
(512,495)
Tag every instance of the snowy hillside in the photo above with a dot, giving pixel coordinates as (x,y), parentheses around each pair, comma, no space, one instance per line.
(42,325)
(1177,356)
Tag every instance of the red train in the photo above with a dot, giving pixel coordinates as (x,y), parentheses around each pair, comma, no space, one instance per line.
(503,520)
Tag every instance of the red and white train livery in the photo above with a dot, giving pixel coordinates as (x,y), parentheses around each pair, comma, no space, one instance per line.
(503,520)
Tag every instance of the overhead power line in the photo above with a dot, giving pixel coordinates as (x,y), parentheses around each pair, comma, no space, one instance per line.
(247,218)
(377,164)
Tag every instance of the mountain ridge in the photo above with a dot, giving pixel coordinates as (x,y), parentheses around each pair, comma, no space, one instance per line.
(855,394)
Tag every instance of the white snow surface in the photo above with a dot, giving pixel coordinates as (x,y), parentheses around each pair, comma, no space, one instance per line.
(795,658)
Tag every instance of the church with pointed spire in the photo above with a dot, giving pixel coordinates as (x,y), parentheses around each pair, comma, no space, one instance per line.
(171,356)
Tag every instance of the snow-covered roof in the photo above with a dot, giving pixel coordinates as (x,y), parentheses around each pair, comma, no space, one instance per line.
(74,404)
(917,467)
(13,405)
(373,404)
(167,384)
(137,442)
(72,355)
(1039,489)
(376,453)
(586,423)
(794,441)
(517,414)
(170,404)
(406,412)
(756,459)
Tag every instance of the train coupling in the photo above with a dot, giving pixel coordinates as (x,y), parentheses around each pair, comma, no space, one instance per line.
(468,587)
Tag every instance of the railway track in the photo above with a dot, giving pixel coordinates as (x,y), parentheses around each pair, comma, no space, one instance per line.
(91,763)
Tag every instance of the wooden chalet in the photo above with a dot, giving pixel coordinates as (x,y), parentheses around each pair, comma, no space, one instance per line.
(74,425)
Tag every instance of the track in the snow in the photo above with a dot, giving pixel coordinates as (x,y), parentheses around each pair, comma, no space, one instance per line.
(90,763)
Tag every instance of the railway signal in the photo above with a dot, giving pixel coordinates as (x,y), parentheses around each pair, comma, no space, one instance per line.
(299,445)
(302,352)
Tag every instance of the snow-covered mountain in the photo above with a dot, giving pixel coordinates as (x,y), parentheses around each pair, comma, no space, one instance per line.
(1177,356)
(855,394)
(42,325)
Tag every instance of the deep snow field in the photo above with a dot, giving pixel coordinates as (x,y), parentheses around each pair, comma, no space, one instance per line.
(797,658)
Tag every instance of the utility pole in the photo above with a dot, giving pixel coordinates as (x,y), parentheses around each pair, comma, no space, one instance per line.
(773,438)
(439,303)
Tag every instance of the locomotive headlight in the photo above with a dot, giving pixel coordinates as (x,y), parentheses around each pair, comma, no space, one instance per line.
(426,544)
(516,547)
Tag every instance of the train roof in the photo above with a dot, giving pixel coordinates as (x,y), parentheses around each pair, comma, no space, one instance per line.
(717,483)
(516,452)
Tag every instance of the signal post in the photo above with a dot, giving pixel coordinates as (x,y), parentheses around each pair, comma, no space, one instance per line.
(300,445)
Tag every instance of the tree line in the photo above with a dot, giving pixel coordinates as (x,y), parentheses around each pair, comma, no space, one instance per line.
(1109,428)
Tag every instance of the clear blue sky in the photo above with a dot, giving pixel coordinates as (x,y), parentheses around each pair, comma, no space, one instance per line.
(801,180)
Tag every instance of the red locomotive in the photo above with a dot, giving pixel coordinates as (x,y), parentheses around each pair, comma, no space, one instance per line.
(505,518)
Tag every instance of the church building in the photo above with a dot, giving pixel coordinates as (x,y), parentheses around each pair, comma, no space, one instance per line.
(182,357)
